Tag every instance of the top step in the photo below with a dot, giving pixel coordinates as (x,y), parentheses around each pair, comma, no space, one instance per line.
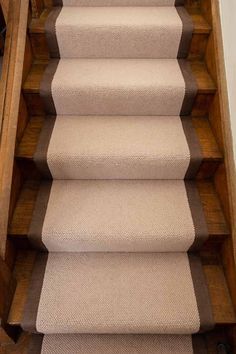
(118,2)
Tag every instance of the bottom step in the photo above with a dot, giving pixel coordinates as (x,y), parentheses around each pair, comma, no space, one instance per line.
(116,344)
(117,293)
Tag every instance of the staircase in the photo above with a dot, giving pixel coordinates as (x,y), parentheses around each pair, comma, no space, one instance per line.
(118,215)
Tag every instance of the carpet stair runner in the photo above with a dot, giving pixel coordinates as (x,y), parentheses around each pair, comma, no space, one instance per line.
(116,344)
(114,225)
(123,32)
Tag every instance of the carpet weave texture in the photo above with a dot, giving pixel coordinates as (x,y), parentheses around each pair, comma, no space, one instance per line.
(119,32)
(118,220)
(118,87)
(117,344)
(122,148)
(118,216)
(118,2)
(117,293)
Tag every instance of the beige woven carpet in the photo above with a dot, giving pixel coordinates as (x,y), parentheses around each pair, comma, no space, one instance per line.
(118,2)
(117,344)
(117,293)
(122,32)
(118,216)
(118,87)
(122,148)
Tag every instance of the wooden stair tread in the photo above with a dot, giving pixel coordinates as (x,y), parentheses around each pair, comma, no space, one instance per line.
(204,81)
(20,223)
(37,25)
(221,302)
(210,151)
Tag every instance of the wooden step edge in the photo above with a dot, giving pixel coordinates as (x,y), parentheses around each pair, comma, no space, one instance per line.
(217,225)
(222,306)
(37,25)
(211,154)
(204,81)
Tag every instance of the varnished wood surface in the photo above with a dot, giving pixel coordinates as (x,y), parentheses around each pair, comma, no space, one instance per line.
(219,116)
(221,302)
(197,49)
(222,307)
(19,226)
(23,269)
(10,87)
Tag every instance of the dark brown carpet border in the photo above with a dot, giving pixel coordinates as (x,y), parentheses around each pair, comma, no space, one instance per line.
(201,293)
(50,31)
(190,87)
(198,216)
(194,147)
(199,345)
(40,155)
(46,87)
(187,32)
(35,344)
(177,2)
(57,2)
(34,293)
(36,226)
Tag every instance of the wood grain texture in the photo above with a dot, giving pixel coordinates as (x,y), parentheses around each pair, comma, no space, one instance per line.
(197,48)
(23,269)
(5,7)
(37,7)
(219,116)
(222,307)
(10,98)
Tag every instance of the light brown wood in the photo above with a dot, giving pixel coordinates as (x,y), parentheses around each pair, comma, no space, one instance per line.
(37,7)
(10,86)
(225,178)
(18,16)
(23,269)
(222,307)
(5,7)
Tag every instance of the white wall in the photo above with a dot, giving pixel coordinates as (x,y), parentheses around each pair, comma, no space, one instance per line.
(228,19)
